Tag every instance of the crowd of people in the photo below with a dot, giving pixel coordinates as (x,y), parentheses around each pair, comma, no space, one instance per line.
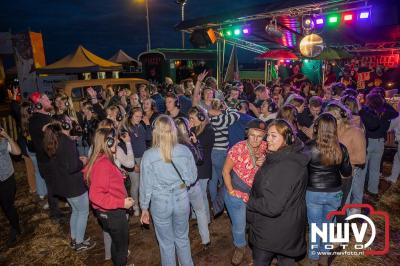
(276,157)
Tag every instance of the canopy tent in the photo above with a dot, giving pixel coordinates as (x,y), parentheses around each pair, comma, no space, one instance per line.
(80,61)
(121,57)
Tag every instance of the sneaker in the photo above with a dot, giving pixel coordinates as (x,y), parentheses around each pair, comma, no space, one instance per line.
(45,206)
(206,246)
(85,245)
(238,255)
(72,244)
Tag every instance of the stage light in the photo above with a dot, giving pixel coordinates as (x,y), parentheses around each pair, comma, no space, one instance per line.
(236,31)
(281,60)
(319,21)
(228,33)
(333,19)
(287,61)
(348,17)
(246,31)
(364,15)
(305,60)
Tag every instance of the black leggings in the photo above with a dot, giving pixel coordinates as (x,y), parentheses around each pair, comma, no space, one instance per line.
(115,223)
(263,258)
(8,189)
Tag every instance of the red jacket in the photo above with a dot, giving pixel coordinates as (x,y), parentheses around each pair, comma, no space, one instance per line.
(107,190)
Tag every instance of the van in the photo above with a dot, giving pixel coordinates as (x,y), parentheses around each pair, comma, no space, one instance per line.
(76,89)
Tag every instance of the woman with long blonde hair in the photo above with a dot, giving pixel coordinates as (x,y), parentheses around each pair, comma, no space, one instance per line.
(167,169)
(107,193)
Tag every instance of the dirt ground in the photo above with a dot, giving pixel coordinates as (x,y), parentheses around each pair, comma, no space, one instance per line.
(46,243)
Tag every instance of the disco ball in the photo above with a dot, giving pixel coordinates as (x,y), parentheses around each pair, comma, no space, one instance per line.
(311,45)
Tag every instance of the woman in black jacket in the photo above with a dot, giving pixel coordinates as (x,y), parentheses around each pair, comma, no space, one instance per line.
(202,129)
(276,210)
(329,162)
(376,116)
(68,182)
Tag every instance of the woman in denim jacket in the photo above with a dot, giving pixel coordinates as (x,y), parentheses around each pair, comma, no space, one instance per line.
(167,169)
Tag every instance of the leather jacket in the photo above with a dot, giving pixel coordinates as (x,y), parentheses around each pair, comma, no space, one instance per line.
(323,177)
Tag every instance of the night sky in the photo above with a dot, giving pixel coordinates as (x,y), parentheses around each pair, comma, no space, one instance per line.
(104,26)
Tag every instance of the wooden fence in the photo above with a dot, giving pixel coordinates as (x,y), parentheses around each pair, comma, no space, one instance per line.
(9,125)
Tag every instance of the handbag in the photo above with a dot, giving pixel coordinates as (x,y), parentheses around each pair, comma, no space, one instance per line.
(180,177)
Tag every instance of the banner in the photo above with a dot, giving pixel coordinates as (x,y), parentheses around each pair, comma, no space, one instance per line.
(37,49)
(389,61)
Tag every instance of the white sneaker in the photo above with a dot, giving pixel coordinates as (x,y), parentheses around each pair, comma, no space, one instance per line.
(46,206)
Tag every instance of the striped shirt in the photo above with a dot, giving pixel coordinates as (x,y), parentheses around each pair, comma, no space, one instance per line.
(220,125)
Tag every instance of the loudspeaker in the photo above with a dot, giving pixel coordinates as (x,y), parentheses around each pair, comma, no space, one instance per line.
(199,39)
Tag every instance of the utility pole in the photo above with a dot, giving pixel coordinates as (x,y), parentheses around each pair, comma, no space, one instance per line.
(182,3)
(148,26)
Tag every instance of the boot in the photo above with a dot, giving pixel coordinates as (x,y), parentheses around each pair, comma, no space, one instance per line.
(238,255)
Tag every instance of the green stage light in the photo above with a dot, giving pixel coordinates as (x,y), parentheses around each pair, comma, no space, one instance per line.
(333,19)
(228,33)
(236,31)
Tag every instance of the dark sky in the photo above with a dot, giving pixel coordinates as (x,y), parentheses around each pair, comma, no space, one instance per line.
(104,26)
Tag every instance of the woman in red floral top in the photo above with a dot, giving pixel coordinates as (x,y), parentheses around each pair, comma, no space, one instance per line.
(241,165)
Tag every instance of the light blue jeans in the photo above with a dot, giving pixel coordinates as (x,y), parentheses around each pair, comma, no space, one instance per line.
(135,181)
(41,188)
(375,151)
(79,216)
(218,159)
(237,212)
(170,212)
(197,202)
(203,186)
(357,186)
(319,204)
(396,166)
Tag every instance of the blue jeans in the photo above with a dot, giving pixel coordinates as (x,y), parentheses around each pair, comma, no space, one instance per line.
(319,204)
(396,166)
(135,178)
(373,164)
(237,212)
(41,188)
(357,186)
(79,216)
(203,186)
(199,208)
(170,212)
(218,159)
